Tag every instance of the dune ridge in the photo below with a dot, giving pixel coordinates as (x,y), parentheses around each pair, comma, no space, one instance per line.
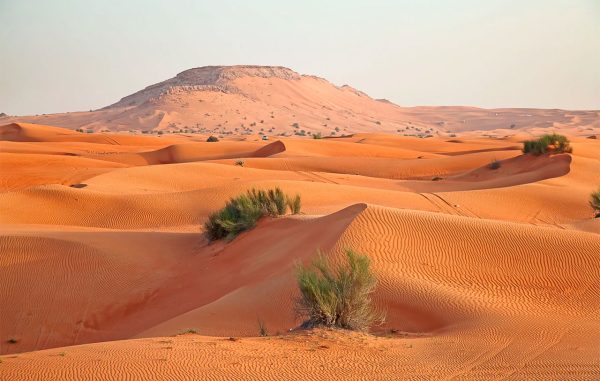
(485,273)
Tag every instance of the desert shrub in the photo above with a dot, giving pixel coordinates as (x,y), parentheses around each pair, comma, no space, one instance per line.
(495,164)
(338,296)
(243,212)
(262,329)
(549,143)
(294,203)
(212,139)
(595,202)
(239,162)
(317,136)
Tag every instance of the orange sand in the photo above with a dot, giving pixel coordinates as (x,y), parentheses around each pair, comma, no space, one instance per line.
(485,274)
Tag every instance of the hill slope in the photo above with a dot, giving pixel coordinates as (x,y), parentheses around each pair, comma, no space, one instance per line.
(275,100)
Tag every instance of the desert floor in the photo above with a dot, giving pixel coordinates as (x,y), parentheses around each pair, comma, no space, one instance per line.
(484,273)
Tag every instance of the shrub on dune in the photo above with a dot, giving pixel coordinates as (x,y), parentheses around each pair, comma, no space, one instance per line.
(549,143)
(294,203)
(595,202)
(243,212)
(495,164)
(212,139)
(338,296)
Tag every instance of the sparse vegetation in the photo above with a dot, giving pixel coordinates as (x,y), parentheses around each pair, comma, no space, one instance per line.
(212,139)
(239,162)
(294,203)
(262,329)
(595,202)
(338,296)
(549,143)
(495,164)
(12,340)
(317,136)
(243,212)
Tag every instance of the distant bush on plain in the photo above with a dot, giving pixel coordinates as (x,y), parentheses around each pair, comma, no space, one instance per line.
(338,296)
(243,212)
(549,143)
(212,139)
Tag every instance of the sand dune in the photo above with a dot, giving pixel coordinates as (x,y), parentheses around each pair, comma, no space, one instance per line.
(483,272)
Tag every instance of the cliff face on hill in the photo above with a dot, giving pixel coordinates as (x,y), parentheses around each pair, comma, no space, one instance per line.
(206,78)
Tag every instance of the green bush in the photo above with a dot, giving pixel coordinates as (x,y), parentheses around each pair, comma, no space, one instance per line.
(338,297)
(243,212)
(294,203)
(595,202)
(317,136)
(212,139)
(549,143)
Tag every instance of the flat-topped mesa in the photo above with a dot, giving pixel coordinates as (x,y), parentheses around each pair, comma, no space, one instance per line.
(217,74)
(207,78)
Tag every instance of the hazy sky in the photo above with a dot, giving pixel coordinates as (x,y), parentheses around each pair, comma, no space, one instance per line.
(67,55)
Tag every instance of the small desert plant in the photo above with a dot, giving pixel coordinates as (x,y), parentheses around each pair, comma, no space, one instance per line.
(294,203)
(212,139)
(495,164)
(262,329)
(595,202)
(239,162)
(549,143)
(243,212)
(277,198)
(317,136)
(338,297)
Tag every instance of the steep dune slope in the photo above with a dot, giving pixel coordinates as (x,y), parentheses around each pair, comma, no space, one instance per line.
(96,285)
